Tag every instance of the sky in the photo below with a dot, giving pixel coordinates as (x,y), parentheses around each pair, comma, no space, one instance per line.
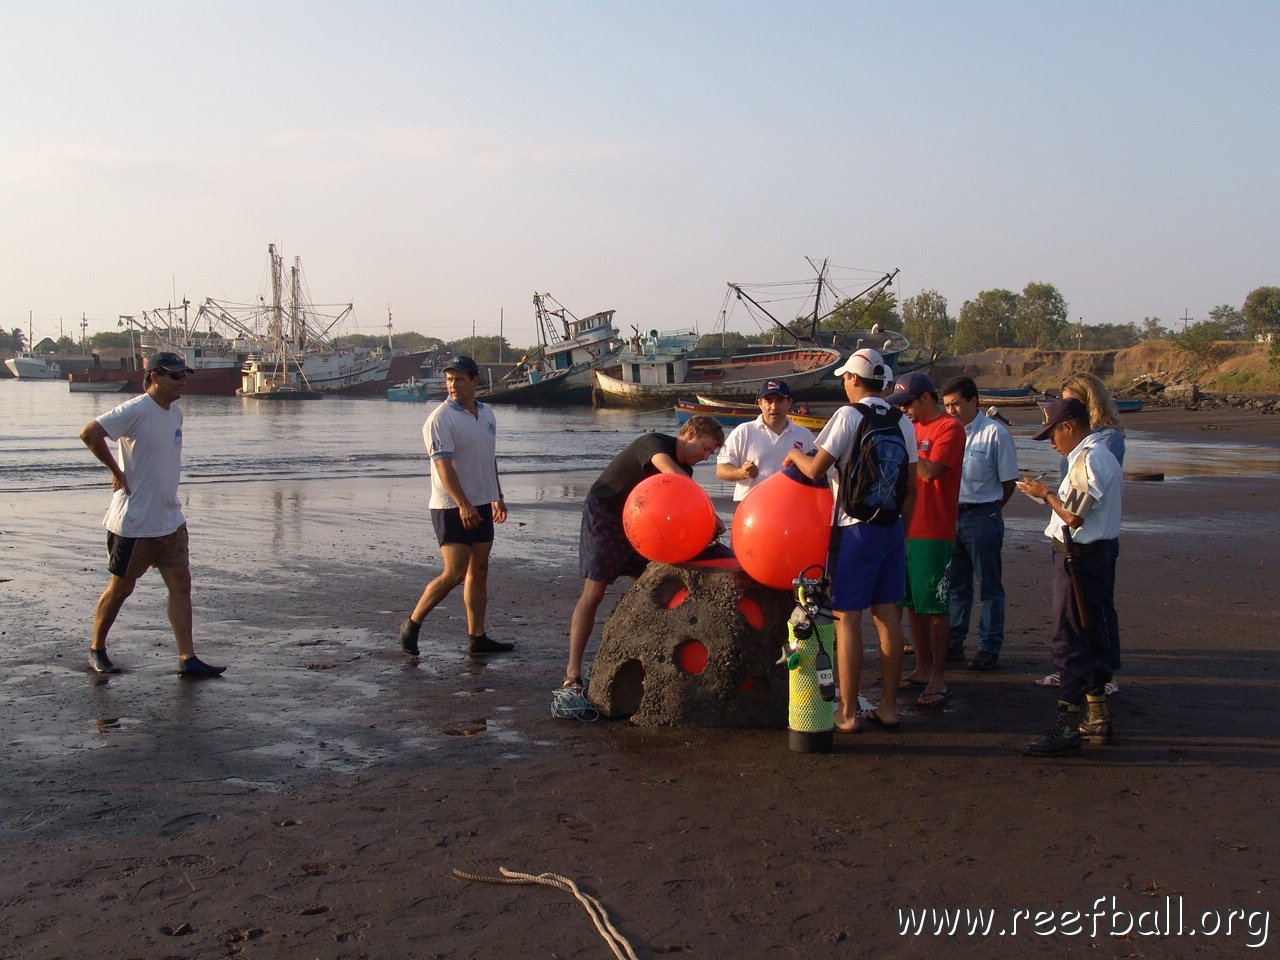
(445,160)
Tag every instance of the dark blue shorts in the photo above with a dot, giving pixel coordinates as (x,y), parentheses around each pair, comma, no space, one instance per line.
(870,567)
(449,528)
(604,552)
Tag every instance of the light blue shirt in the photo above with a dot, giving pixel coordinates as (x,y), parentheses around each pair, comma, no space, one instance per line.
(989,461)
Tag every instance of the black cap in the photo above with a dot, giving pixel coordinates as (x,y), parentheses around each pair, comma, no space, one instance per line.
(463,364)
(1060,411)
(169,362)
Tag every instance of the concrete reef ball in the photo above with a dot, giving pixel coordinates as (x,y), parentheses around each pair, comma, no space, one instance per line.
(782,527)
(669,518)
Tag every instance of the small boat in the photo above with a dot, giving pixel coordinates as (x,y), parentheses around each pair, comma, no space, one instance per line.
(112,385)
(1129,405)
(662,370)
(994,399)
(1010,392)
(426,386)
(730,415)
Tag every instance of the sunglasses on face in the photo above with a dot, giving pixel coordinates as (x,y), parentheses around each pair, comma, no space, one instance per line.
(180,375)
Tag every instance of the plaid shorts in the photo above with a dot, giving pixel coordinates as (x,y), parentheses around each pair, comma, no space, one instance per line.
(604,552)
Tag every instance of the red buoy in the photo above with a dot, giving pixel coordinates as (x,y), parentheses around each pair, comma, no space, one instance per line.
(669,518)
(782,527)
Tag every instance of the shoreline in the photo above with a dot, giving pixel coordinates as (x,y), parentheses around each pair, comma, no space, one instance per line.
(314,801)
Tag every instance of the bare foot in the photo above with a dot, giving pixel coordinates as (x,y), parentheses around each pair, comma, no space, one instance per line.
(843,723)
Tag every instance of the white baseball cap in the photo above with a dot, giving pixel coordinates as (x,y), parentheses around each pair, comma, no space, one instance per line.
(866,363)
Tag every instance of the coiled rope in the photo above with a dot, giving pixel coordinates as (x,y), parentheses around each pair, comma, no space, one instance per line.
(616,941)
(569,704)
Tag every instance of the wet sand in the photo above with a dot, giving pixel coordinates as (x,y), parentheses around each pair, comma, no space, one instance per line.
(313,802)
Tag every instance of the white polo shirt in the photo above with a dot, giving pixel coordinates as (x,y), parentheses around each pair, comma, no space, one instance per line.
(1092,489)
(837,439)
(989,460)
(756,442)
(471,444)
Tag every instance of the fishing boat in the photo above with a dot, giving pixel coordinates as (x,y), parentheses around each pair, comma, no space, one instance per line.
(732,414)
(1123,405)
(31,366)
(28,365)
(99,386)
(659,369)
(569,351)
(825,302)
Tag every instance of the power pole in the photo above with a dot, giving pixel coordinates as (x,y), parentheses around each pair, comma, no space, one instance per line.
(1185,318)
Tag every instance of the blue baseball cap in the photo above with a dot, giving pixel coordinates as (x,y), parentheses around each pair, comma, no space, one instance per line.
(169,362)
(775,386)
(463,364)
(910,386)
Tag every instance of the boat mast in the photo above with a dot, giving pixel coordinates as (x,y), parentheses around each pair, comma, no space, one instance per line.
(297,320)
(276,324)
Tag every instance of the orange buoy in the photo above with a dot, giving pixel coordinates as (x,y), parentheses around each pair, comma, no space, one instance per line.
(669,518)
(782,527)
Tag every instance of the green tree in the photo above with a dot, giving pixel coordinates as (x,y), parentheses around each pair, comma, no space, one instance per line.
(1199,341)
(65,344)
(17,340)
(1040,317)
(728,340)
(1262,312)
(112,340)
(1108,336)
(1230,320)
(985,321)
(925,321)
(863,314)
(488,349)
(1152,328)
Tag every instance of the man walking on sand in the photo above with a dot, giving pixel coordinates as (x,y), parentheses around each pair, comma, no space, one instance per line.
(604,552)
(466,501)
(754,451)
(867,542)
(145,524)
(931,532)
(986,484)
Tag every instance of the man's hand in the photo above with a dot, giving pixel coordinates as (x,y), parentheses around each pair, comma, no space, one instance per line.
(749,470)
(499,511)
(120,483)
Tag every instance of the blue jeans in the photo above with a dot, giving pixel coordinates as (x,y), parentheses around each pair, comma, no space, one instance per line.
(979,540)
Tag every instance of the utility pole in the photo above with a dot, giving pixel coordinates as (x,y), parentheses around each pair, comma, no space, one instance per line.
(1080,334)
(1185,318)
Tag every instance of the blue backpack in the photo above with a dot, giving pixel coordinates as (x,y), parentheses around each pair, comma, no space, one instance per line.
(873,477)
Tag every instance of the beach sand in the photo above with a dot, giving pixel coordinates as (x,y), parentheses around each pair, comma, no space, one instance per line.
(314,802)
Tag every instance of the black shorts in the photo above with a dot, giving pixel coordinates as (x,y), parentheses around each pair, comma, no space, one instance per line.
(131,557)
(449,528)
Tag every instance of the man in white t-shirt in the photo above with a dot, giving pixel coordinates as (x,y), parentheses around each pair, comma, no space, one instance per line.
(869,570)
(466,501)
(754,451)
(145,524)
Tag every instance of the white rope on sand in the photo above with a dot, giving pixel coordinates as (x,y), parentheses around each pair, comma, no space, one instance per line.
(616,941)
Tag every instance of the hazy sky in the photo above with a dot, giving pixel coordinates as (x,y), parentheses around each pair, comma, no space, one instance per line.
(449,159)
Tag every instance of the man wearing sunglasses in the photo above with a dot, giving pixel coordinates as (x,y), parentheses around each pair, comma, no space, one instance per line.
(145,525)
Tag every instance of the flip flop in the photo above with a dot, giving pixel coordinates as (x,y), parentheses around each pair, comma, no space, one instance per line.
(934,698)
(872,717)
(909,682)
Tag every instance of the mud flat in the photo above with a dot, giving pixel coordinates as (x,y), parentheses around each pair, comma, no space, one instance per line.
(314,802)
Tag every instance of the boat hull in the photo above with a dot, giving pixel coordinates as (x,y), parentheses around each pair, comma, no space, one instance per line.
(739,379)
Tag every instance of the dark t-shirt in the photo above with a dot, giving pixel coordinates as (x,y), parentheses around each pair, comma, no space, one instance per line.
(629,467)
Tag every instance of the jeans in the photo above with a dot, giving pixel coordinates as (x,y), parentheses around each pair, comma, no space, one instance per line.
(979,540)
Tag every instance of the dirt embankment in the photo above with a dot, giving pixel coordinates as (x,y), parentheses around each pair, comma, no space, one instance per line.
(1237,367)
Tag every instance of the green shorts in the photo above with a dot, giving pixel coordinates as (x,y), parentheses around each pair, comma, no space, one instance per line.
(927,580)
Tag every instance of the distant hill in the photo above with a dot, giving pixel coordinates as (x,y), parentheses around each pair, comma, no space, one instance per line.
(1239,367)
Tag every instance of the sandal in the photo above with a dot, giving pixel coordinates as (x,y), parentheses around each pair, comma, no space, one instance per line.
(933,698)
(572,683)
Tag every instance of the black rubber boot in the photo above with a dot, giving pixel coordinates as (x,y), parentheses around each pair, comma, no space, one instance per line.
(1063,738)
(409,637)
(482,644)
(1096,725)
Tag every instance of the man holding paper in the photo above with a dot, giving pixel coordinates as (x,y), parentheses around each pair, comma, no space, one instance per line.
(1083,529)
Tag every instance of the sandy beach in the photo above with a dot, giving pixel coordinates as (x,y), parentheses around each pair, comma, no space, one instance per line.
(314,801)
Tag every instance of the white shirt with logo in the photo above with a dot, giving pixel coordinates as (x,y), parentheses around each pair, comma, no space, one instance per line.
(471,444)
(756,442)
(1093,490)
(837,439)
(989,460)
(149,450)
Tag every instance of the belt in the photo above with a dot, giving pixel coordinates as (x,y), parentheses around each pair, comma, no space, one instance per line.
(976,506)
(1079,549)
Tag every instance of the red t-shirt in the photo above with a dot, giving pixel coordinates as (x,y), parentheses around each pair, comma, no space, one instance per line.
(937,501)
